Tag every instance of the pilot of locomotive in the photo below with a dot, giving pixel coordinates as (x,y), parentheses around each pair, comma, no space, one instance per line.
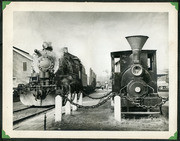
(134,74)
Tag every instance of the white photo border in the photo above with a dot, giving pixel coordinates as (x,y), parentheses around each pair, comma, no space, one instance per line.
(87,7)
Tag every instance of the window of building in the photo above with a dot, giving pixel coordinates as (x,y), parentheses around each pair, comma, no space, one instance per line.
(24,66)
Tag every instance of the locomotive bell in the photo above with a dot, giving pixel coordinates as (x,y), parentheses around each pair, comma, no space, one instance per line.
(136,43)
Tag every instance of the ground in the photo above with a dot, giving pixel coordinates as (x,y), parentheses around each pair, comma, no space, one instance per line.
(101,118)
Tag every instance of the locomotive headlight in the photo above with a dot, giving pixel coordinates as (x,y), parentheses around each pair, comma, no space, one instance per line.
(45,63)
(137,70)
(137,89)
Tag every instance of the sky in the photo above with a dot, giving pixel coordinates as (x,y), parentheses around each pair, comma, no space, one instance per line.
(92,35)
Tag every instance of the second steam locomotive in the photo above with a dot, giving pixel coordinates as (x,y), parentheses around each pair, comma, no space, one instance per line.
(52,75)
(134,75)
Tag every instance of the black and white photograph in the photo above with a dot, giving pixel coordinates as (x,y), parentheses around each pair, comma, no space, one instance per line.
(90,70)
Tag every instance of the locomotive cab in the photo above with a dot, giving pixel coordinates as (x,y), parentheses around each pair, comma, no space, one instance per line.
(122,64)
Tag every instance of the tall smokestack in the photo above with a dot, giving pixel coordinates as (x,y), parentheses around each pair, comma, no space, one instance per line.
(136,42)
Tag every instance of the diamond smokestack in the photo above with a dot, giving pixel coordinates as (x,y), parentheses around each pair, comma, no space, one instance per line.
(136,43)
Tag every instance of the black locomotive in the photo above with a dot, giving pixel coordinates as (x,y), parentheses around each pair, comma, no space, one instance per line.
(134,75)
(53,75)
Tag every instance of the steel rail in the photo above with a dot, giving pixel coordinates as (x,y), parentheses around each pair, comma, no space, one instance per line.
(30,116)
(19,110)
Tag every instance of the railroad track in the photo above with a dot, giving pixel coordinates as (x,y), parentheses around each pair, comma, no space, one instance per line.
(31,107)
(29,112)
(15,111)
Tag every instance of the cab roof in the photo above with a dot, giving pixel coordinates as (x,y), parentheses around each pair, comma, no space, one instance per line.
(119,53)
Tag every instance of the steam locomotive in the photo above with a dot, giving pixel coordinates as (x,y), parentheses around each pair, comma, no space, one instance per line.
(52,75)
(134,75)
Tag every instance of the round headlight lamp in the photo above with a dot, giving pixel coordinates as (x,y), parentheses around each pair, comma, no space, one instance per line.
(45,63)
(137,70)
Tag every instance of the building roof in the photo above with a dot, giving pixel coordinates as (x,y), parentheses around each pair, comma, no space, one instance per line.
(23,53)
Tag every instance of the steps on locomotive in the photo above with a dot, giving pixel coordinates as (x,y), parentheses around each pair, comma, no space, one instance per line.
(138,112)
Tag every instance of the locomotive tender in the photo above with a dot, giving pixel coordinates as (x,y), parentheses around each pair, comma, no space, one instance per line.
(53,75)
(134,75)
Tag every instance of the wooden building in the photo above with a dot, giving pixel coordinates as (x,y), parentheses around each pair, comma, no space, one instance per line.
(22,66)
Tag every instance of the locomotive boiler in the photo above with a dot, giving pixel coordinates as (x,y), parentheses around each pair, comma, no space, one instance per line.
(52,75)
(134,75)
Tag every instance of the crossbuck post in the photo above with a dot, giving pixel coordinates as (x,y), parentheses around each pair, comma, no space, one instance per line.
(74,108)
(58,108)
(68,106)
(117,108)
